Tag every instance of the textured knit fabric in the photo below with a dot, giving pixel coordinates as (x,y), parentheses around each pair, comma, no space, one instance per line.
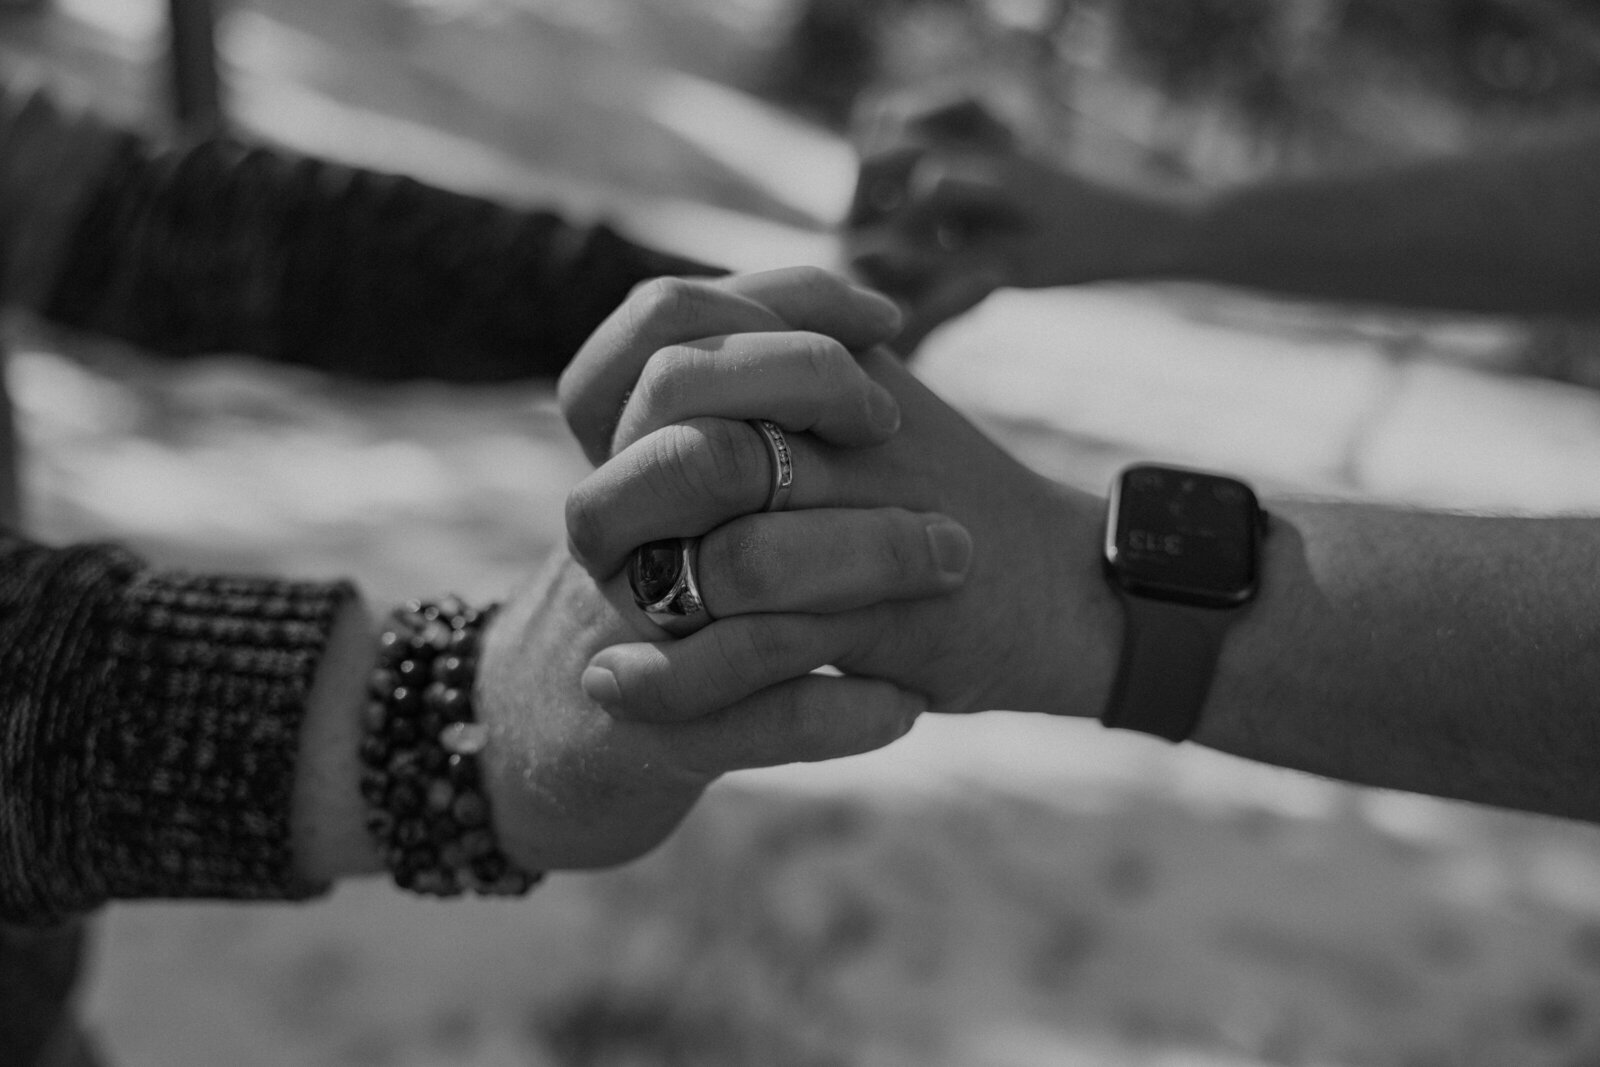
(149,725)
(218,246)
(223,247)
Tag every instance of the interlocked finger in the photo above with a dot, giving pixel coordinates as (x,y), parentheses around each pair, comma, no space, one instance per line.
(677,311)
(820,561)
(803,720)
(691,477)
(827,560)
(802,380)
(724,664)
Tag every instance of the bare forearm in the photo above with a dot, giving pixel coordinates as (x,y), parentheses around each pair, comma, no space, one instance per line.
(1509,234)
(1451,655)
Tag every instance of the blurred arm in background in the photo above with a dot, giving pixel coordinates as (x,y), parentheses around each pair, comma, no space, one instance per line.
(949,205)
(219,246)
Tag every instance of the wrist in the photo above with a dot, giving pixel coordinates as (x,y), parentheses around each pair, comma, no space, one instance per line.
(1182,552)
(1078,622)
(328,817)
(428,809)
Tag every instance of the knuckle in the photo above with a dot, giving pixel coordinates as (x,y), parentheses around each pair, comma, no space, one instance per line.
(751,566)
(662,386)
(663,300)
(585,524)
(690,462)
(747,655)
(581,401)
(673,465)
(569,393)
(816,278)
(825,361)
(735,458)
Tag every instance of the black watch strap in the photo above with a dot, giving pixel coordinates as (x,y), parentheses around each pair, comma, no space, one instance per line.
(1169,653)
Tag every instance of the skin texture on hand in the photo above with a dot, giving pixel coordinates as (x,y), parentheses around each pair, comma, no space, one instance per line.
(573,786)
(570,785)
(1030,628)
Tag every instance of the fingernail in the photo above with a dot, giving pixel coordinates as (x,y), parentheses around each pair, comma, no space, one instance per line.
(952,548)
(600,685)
(881,308)
(883,409)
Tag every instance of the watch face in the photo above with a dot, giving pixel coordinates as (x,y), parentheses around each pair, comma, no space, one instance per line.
(1183,535)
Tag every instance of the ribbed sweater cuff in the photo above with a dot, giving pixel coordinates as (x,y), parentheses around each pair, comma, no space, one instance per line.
(155,754)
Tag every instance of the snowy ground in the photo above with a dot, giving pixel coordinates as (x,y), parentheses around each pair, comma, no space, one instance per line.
(992,892)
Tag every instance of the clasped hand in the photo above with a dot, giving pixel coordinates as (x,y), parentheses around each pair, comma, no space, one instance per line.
(846,578)
(914,555)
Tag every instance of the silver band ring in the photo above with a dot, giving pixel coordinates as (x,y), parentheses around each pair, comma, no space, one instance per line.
(662,577)
(782,463)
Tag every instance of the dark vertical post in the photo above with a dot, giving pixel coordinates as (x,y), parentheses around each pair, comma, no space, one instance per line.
(197,94)
(10,470)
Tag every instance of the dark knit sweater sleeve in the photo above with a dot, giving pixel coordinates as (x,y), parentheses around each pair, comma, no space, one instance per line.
(220,246)
(149,727)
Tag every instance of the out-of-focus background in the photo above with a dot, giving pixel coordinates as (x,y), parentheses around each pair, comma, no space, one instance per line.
(993,891)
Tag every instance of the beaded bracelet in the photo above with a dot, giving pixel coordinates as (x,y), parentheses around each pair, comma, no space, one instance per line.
(426,805)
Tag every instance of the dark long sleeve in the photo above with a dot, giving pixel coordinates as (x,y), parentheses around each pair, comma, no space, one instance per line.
(223,247)
(149,728)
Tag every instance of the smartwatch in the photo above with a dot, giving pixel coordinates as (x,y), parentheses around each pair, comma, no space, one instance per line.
(1183,551)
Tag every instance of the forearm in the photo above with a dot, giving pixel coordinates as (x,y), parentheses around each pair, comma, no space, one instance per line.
(217,246)
(1510,234)
(1443,654)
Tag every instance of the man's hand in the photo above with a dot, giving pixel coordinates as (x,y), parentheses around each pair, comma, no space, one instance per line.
(1031,627)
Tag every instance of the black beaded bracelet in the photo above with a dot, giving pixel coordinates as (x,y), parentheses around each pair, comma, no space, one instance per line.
(426,804)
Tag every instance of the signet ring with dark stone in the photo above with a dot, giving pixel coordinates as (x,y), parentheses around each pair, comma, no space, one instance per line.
(662,577)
